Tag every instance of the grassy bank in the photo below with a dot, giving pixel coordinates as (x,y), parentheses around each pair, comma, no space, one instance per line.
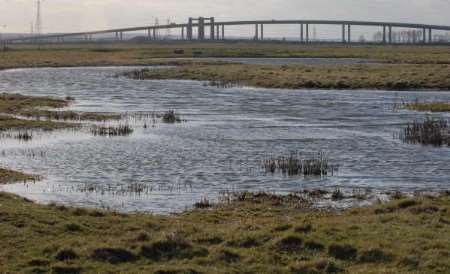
(431,107)
(255,234)
(9,176)
(130,54)
(386,76)
(40,113)
(403,67)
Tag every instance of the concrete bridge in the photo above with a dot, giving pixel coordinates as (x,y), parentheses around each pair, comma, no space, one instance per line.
(217,30)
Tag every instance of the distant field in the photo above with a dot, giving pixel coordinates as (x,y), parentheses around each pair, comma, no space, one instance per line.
(142,54)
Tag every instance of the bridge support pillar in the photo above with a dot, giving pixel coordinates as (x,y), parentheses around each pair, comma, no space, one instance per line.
(262,32)
(301,33)
(307,33)
(201,28)
(349,33)
(182,33)
(223,32)
(212,31)
(189,29)
(217,32)
(154,34)
(384,34)
(390,35)
(343,34)
(256,32)
(424,36)
(430,36)
(149,34)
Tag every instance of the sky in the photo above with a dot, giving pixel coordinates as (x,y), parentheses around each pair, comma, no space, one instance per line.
(83,15)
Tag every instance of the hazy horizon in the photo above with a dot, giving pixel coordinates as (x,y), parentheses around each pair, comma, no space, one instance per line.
(84,15)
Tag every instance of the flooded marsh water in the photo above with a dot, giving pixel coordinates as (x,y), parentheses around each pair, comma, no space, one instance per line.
(226,135)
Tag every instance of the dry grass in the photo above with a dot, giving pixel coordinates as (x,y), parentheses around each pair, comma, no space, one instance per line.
(430,107)
(255,235)
(9,176)
(386,76)
(140,54)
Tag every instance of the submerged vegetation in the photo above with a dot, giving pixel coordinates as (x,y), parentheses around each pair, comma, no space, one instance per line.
(252,234)
(430,131)
(171,117)
(120,130)
(295,164)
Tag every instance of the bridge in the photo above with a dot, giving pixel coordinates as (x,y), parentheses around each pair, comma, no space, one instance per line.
(422,33)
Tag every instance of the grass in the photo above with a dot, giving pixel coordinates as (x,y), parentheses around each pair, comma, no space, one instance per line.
(386,76)
(170,117)
(402,67)
(254,235)
(145,53)
(429,106)
(430,131)
(8,176)
(295,164)
(110,131)
(38,113)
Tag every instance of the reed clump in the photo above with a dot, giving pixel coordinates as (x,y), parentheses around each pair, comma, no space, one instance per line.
(295,164)
(431,131)
(111,131)
(24,136)
(170,117)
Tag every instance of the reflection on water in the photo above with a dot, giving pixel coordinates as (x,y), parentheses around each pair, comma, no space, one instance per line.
(220,148)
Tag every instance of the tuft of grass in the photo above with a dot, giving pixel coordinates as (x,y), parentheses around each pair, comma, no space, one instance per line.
(112,131)
(374,255)
(431,131)
(66,254)
(294,164)
(170,117)
(172,247)
(113,255)
(290,243)
(343,251)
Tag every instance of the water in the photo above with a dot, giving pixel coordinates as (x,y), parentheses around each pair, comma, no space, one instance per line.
(220,147)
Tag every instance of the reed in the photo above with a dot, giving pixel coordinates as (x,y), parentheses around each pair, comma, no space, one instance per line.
(295,164)
(431,131)
(170,117)
(111,131)
(24,136)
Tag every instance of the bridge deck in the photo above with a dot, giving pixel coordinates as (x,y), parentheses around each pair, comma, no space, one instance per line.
(238,23)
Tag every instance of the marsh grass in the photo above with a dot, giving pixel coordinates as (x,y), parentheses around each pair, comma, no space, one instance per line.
(236,236)
(111,131)
(295,164)
(170,117)
(10,176)
(297,76)
(428,106)
(430,131)
(24,136)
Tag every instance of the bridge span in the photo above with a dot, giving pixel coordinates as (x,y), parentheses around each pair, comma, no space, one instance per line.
(423,33)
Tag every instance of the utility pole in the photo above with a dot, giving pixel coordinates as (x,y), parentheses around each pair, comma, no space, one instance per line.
(38,19)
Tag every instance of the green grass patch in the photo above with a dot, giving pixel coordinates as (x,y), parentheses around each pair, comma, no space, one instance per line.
(240,235)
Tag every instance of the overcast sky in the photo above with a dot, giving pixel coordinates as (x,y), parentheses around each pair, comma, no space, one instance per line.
(81,15)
